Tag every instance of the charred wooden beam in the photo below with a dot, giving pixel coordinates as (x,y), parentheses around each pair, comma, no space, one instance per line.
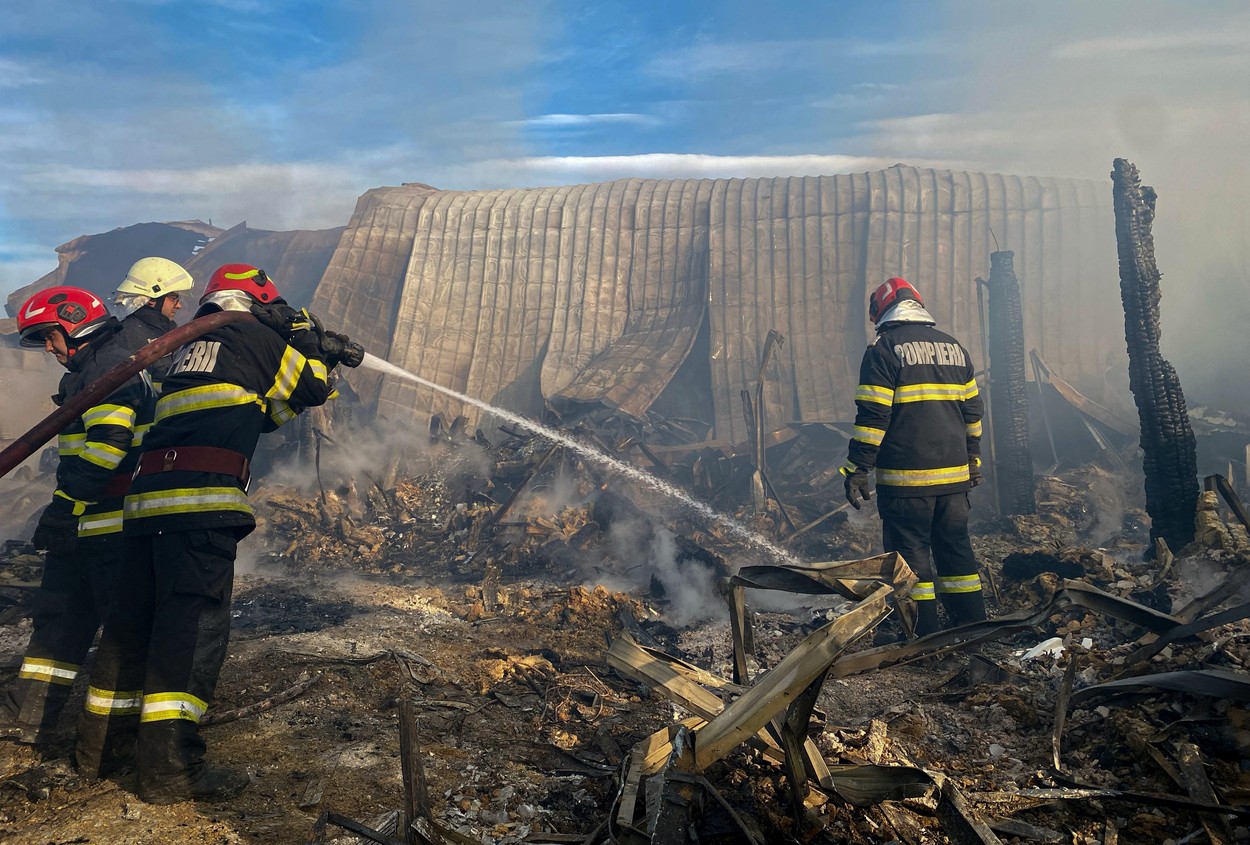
(1013,465)
(1170,460)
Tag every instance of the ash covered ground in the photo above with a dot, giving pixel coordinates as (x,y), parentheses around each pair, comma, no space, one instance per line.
(367,590)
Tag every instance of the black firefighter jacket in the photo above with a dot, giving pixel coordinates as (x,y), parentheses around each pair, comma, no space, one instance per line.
(222,390)
(143,326)
(918,419)
(99,449)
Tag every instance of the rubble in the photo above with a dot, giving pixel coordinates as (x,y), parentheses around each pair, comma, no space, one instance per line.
(558,657)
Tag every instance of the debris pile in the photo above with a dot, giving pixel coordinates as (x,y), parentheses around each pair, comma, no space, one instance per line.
(428,660)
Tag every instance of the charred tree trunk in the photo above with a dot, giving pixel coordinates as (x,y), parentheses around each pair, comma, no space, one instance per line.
(1013,465)
(1170,461)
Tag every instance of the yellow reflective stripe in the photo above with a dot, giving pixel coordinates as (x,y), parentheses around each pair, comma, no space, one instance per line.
(48,671)
(281,412)
(247,274)
(70,444)
(172,705)
(103,455)
(204,398)
(80,505)
(186,500)
(960,584)
(848,468)
(874,393)
(922,477)
(974,429)
(288,375)
(970,390)
(140,432)
(107,702)
(109,415)
(109,522)
(929,392)
(923,591)
(319,370)
(867,434)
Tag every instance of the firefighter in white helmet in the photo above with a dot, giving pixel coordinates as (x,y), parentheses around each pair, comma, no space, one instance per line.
(152,292)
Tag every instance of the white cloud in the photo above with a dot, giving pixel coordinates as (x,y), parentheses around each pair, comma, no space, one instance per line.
(207,180)
(15,74)
(859,95)
(1156,42)
(709,58)
(563,121)
(566,169)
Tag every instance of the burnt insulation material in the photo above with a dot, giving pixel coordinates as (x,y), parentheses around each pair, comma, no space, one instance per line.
(1170,457)
(1009,394)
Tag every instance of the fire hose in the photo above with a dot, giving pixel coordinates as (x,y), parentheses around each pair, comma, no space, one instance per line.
(51,425)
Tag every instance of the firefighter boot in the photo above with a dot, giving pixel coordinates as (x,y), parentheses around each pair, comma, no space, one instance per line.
(927,618)
(172,767)
(964,608)
(30,710)
(209,784)
(105,746)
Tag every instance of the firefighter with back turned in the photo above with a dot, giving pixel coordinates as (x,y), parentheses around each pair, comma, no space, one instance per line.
(918,426)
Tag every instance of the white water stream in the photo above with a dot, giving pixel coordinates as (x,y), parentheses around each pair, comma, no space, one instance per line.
(731,525)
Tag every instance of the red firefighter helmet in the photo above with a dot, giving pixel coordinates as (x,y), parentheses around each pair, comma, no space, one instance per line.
(244,277)
(894,291)
(76,312)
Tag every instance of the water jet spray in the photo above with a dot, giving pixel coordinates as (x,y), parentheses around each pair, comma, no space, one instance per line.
(731,525)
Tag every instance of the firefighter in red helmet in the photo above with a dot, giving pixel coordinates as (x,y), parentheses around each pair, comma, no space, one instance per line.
(165,638)
(918,427)
(81,528)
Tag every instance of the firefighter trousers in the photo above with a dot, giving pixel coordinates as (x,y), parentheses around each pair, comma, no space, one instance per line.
(931,533)
(159,658)
(68,608)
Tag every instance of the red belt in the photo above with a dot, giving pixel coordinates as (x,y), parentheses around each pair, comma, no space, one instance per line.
(118,485)
(195,459)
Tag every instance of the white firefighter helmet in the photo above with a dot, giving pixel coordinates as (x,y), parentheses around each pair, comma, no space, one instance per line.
(151,278)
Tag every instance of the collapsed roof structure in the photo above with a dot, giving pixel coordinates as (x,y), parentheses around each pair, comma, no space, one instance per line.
(99,262)
(659,294)
(638,296)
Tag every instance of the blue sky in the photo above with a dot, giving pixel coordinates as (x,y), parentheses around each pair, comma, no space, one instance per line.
(282,112)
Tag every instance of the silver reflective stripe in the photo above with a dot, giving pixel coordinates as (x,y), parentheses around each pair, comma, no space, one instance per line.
(112,703)
(50,671)
(185,500)
(172,705)
(121,415)
(204,398)
(102,523)
(102,455)
(281,412)
(923,591)
(288,375)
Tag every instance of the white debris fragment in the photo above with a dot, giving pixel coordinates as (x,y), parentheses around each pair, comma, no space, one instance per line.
(1052,646)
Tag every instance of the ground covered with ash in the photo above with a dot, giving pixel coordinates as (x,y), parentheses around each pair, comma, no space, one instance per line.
(493,615)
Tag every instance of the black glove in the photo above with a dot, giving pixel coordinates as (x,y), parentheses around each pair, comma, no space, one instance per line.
(277,316)
(57,531)
(974,471)
(857,486)
(340,349)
